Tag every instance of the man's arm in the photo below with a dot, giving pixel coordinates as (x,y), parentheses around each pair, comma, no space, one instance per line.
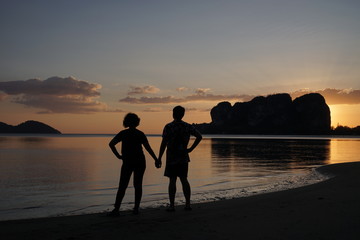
(162,148)
(198,138)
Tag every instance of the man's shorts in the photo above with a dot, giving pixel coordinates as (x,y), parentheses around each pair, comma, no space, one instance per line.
(176,170)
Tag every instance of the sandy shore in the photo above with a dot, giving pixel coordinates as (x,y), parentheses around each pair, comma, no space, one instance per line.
(326,210)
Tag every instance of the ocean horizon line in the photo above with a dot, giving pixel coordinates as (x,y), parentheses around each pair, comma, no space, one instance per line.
(227,136)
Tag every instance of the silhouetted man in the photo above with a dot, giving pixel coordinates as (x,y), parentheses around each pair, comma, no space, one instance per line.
(175,138)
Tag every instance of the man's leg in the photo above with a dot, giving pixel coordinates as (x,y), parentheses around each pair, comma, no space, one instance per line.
(187,191)
(172,191)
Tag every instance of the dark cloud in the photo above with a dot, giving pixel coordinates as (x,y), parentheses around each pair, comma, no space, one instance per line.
(66,104)
(56,95)
(334,96)
(55,86)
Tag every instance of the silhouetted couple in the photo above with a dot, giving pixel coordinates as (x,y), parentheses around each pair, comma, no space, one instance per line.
(175,139)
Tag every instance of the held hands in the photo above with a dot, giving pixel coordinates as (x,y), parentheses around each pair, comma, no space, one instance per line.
(158,163)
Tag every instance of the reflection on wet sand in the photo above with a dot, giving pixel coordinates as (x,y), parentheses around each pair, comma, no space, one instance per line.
(275,154)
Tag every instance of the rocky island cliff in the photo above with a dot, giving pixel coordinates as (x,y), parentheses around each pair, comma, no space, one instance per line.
(28,127)
(274,114)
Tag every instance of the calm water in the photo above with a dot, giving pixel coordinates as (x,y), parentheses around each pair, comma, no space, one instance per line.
(74,174)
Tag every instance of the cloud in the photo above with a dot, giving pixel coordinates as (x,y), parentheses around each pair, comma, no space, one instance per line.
(61,104)
(151,100)
(199,96)
(198,109)
(56,95)
(55,86)
(201,91)
(153,109)
(182,89)
(3,96)
(334,96)
(134,90)
(220,97)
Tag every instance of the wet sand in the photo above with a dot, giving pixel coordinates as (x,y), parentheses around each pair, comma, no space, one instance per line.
(326,210)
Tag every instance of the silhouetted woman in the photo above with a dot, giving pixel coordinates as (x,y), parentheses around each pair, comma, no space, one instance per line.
(133,159)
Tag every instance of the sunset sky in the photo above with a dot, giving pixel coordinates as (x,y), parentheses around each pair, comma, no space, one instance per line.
(81,65)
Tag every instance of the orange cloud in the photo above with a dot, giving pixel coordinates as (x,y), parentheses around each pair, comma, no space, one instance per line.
(334,96)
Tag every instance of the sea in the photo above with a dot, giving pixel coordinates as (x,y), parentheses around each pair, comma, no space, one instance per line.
(72,174)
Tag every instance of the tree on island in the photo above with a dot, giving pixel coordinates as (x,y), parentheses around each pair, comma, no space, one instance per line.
(345,130)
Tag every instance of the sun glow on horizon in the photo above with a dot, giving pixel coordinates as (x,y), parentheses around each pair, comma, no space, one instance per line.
(345,115)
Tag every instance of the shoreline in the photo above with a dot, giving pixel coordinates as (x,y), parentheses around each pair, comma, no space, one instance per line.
(325,210)
(307,177)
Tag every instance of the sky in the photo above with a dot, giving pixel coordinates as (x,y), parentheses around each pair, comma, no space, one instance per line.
(81,65)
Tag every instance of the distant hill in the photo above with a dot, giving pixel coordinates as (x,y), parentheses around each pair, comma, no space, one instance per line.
(274,114)
(28,127)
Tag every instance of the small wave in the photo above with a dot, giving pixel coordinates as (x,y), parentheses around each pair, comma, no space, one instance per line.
(288,182)
(32,207)
(213,184)
(82,209)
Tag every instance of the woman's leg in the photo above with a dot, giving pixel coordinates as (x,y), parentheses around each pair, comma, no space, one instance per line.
(138,180)
(125,175)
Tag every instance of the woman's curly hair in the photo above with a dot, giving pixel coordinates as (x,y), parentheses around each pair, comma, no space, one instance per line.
(131,120)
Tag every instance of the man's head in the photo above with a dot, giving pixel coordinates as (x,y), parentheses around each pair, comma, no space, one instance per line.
(178,112)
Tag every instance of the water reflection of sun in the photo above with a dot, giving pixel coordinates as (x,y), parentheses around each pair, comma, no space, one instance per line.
(344,150)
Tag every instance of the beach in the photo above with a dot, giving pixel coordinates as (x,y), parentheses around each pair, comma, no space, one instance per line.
(325,210)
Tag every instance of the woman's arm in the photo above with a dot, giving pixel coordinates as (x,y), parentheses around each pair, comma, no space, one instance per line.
(151,152)
(112,144)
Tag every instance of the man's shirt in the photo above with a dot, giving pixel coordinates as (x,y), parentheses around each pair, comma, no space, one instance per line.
(177,135)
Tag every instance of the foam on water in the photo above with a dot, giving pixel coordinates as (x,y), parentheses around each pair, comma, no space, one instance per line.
(158,200)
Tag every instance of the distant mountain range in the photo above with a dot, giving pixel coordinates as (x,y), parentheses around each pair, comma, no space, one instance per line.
(28,127)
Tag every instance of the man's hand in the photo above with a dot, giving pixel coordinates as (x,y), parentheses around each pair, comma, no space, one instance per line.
(158,163)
